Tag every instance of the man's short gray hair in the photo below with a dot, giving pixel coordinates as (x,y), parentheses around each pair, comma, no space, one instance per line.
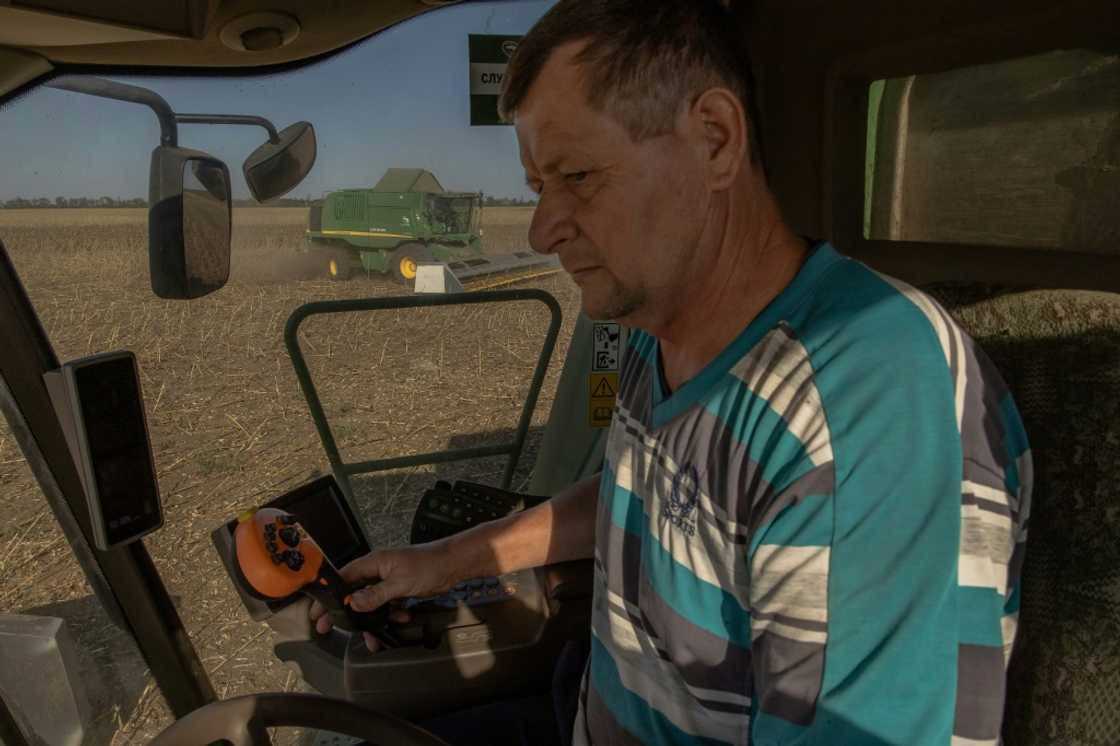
(643,61)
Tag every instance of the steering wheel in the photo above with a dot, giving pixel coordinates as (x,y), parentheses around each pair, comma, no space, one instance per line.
(242,722)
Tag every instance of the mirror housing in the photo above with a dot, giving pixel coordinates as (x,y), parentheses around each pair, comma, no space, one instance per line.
(189,223)
(275,168)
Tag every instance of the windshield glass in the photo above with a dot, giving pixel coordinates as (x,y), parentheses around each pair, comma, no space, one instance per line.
(229,423)
(451,214)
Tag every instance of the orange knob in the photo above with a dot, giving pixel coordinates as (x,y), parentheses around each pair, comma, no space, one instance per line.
(276,556)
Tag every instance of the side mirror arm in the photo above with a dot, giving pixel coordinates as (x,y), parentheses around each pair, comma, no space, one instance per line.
(273,135)
(168,119)
(93,86)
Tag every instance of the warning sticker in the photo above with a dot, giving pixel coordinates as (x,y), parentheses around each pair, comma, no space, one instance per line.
(603,382)
(604,385)
(600,402)
(607,338)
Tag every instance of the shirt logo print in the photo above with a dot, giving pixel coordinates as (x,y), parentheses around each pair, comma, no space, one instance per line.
(680,510)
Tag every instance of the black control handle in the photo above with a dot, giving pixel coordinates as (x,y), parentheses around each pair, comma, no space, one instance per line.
(332,592)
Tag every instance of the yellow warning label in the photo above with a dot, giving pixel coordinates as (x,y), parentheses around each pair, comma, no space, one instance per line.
(600,404)
(604,387)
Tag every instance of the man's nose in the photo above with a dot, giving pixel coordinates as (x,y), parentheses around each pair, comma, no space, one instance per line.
(552,224)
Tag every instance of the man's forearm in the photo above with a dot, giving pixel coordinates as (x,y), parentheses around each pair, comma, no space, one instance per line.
(558,530)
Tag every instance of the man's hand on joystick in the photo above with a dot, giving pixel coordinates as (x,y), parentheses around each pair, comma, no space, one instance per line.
(278,558)
(387,575)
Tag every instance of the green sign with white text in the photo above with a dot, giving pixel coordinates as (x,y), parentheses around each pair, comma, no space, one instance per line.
(489,55)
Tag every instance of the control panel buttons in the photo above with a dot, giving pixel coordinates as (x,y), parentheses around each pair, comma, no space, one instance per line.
(448,508)
(293,558)
(290,536)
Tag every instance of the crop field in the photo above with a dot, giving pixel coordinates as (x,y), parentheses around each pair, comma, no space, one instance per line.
(229,423)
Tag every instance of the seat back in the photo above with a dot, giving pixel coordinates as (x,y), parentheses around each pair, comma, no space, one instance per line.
(1059,352)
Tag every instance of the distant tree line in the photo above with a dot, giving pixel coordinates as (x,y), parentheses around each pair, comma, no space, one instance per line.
(489,201)
(43,202)
(24,203)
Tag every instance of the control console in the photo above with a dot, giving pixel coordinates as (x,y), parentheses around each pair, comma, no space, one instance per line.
(484,639)
(275,559)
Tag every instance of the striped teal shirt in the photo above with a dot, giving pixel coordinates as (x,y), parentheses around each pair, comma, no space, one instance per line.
(816,540)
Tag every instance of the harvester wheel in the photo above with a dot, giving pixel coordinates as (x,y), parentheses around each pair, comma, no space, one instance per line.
(339,269)
(403,261)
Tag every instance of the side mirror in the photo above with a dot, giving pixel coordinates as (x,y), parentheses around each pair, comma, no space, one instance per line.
(275,168)
(189,221)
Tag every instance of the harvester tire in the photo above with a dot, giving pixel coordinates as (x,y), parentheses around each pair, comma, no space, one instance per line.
(339,269)
(403,261)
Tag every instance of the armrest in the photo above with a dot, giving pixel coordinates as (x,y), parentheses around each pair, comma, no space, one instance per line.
(569,581)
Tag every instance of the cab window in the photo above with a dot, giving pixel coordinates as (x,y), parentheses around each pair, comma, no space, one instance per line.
(229,424)
(1022,153)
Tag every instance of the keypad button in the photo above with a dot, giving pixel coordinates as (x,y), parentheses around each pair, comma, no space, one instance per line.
(491,581)
(458,595)
(290,536)
(474,583)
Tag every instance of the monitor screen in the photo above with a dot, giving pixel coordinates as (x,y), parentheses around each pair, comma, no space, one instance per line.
(120,460)
(319,508)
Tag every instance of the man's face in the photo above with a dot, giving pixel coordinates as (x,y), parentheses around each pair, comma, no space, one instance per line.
(624,217)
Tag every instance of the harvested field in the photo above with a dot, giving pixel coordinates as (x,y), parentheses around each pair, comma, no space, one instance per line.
(229,424)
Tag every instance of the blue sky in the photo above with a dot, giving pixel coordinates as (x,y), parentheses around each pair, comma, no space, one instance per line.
(398,99)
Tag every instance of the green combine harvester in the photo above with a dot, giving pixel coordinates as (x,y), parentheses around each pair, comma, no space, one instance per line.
(407,218)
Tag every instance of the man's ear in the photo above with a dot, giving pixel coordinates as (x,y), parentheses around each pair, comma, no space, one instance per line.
(721,125)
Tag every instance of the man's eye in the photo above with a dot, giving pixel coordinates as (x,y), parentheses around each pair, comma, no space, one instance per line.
(576,176)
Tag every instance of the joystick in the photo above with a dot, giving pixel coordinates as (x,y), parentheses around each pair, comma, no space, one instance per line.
(277,558)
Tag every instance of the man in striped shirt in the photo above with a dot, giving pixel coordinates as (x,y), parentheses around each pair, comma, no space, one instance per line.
(812,540)
(811,517)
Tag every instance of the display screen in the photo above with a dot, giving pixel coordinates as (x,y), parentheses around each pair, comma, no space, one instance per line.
(117,440)
(319,508)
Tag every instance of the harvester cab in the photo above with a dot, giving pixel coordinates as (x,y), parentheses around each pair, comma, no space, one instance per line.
(185,470)
(405,219)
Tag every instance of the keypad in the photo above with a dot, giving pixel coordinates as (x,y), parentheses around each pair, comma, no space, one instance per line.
(473,592)
(447,509)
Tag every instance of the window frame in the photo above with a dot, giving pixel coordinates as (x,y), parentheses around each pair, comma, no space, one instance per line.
(849,81)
